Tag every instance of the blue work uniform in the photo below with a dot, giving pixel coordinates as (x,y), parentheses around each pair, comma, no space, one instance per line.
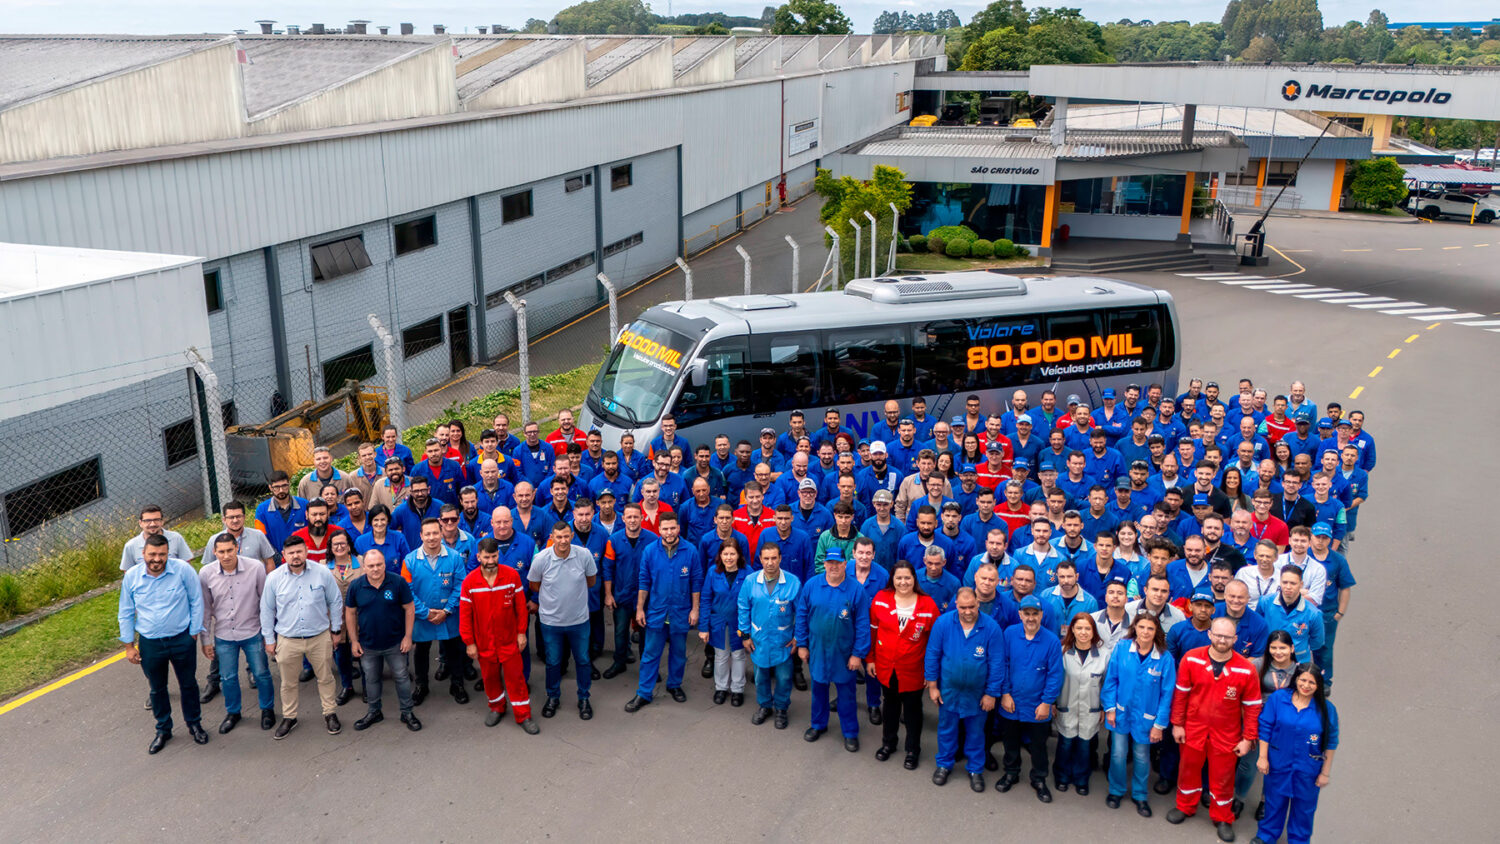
(1304,621)
(464,545)
(1115,423)
(979,529)
(886,539)
(619,485)
(1138,689)
(503,495)
(911,549)
(1250,634)
(1093,582)
(769,619)
(942,590)
(394,548)
(1185,637)
(408,518)
(671,578)
(1045,565)
(811,522)
(964,550)
(833,623)
(1298,744)
(718,487)
(276,524)
(1339,578)
(444,480)
(1064,608)
(972,569)
(533,464)
(903,458)
(718,607)
(966,668)
(708,547)
(697,520)
(1104,468)
(435,585)
(1033,671)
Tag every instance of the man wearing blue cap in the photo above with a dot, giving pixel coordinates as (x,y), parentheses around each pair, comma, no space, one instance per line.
(968,487)
(833,636)
(1304,440)
(1128,506)
(1018,409)
(1033,680)
(1111,418)
(965,674)
(1025,443)
(1184,637)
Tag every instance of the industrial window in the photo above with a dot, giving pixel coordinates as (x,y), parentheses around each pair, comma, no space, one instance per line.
(619,177)
(416,234)
(213,294)
(624,243)
(515,207)
(579,182)
(573,266)
(358,365)
(181,442)
(341,257)
(526,286)
(494,300)
(422,336)
(36,503)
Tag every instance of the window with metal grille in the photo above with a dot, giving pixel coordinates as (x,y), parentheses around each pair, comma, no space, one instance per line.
(425,335)
(213,293)
(624,243)
(181,442)
(619,177)
(415,234)
(340,257)
(515,207)
(36,503)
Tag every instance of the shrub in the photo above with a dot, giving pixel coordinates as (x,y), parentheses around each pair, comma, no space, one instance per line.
(950,233)
(958,249)
(1022,252)
(982,248)
(1004,248)
(902,245)
(936,245)
(918,243)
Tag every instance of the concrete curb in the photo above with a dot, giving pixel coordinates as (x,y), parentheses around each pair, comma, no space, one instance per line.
(20,622)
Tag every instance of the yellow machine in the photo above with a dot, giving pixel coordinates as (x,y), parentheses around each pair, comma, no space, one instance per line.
(1024,123)
(285,442)
(923,120)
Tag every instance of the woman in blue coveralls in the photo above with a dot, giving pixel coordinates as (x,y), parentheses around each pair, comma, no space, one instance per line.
(1299,732)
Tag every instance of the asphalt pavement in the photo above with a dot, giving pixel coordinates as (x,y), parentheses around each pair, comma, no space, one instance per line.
(1416,679)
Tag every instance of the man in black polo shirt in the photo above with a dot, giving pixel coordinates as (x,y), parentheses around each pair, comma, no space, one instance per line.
(378,614)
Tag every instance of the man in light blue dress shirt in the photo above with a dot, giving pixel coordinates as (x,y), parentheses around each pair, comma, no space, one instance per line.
(301,616)
(161,601)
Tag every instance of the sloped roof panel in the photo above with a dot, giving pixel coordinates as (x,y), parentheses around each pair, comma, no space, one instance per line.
(33,66)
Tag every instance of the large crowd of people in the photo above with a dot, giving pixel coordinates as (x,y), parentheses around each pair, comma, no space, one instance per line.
(1157,582)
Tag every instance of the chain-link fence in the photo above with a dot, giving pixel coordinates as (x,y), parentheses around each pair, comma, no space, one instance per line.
(729,223)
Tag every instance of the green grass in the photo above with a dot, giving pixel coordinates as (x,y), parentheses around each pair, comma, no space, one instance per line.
(59,643)
(64,574)
(1377,212)
(933,262)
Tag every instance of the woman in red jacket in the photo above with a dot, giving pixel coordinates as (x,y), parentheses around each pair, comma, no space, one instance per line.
(901,618)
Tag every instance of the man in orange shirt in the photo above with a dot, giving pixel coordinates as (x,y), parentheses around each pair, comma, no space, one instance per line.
(492,616)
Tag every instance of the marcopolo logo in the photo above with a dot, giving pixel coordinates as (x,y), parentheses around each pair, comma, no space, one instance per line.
(1291,90)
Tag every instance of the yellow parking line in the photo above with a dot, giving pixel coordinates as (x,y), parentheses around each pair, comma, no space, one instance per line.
(1452,247)
(1410,249)
(1393,354)
(54,686)
(1480,245)
(1357,391)
(1434,325)
(1376,371)
(1411,338)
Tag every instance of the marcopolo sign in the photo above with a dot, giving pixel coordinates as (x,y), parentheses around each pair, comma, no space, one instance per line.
(1292,90)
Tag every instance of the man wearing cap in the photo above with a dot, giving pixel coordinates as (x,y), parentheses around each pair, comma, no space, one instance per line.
(1025,443)
(968,487)
(995,470)
(1033,679)
(1125,507)
(1021,473)
(1111,417)
(883,529)
(810,517)
(833,636)
(965,673)
(879,474)
(767,452)
(1194,633)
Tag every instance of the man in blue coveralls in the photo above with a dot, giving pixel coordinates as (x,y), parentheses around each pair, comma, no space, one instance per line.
(1033,680)
(671,577)
(833,636)
(965,672)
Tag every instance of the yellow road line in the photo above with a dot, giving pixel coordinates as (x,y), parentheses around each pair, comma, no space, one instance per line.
(1452,247)
(1434,325)
(1393,354)
(1410,249)
(1376,371)
(57,684)
(1480,245)
(1355,250)
(1357,391)
(1300,269)
(1411,338)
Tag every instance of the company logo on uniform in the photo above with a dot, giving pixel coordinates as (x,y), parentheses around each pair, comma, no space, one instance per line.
(844,613)
(684,569)
(1291,90)
(1232,693)
(389,596)
(979,650)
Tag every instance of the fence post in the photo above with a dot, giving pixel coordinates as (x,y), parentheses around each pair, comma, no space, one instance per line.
(890,266)
(614,309)
(687,284)
(874,237)
(746,256)
(856,248)
(213,450)
(523,354)
(835,257)
(395,394)
(796,261)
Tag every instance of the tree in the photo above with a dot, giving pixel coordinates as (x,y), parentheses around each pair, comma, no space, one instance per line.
(1060,36)
(946,19)
(1261,49)
(925,22)
(1378,182)
(1377,40)
(885,22)
(848,198)
(535,25)
(605,17)
(811,17)
(1492,32)
(998,15)
(713,28)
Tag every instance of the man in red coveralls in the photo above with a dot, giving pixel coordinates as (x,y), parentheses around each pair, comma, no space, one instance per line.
(1215,718)
(492,618)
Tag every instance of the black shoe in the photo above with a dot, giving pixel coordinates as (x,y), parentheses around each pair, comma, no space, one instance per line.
(530,727)
(781,719)
(585,710)
(1143,808)
(594,673)
(851,744)
(632,705)
(1062,786)
(812,734)
(876,717)
(471,673)
(799,682)
(160,741)
(883,753)
(1260,811)
(940,776)
(305,676)
(346,694)
(1006,782)
(148,703)
(200,735)
(635,637)
(976,782)
(1237,806)
(760,716)
(678,695)
(285,727)
(228,723)
(1162,786)
(370,720)
(990,762)
(911,761)
(1176,815)
(833,704)
(411,722)
(1042,793)
(333,725)
(491,718)
(460,695)
(708,668)
(442,672)
(1082,790)
(267,719)
(550,707)
(1225,830)
(613,671)
(1113,801)
(720,696)
(419,694)
(736,698)
(209,693)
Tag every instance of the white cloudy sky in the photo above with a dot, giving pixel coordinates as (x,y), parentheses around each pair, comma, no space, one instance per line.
(161,16)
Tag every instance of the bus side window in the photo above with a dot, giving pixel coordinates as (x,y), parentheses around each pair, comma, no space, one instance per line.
(788,372)
(725,391)
(1150,329)
(867,365)
(940,359)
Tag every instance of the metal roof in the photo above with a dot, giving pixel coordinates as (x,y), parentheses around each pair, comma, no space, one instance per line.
(281,70)
(613,54)
(492,73)
(34,66)
(26,270)
(1239,120)
(1005,142)
(1450,175)
(747,48)
(794,44)
(690,52)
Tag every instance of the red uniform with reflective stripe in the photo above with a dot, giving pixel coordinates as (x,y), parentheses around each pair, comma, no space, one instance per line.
(1217,712)
(491,617)
(750,526)
(559,440)
(896,648)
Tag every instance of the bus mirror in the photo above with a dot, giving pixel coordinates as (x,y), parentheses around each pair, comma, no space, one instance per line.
(698,372)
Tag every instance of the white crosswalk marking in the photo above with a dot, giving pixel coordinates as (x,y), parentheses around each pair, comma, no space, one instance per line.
(1415,311)
(1282,286)
(1374,304)
(1278,286)
(1482,323)
(1313,293)
(1355,297)
(1448,316)
(1237,281)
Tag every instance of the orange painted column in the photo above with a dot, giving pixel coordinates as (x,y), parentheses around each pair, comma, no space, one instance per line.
(1338,185)
(1260,181)
(1049,216)
(1187,201)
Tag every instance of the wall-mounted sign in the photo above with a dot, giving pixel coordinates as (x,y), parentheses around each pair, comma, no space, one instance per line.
(801,137)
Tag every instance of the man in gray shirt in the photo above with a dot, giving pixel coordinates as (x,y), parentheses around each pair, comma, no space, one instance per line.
(252,542)
(301,614)
(561,576)
(232,589)
(153,523)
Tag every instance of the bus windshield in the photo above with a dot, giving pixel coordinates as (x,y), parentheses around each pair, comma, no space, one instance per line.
(636,380)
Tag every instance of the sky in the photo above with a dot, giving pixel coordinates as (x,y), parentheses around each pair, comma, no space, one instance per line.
(166,16)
